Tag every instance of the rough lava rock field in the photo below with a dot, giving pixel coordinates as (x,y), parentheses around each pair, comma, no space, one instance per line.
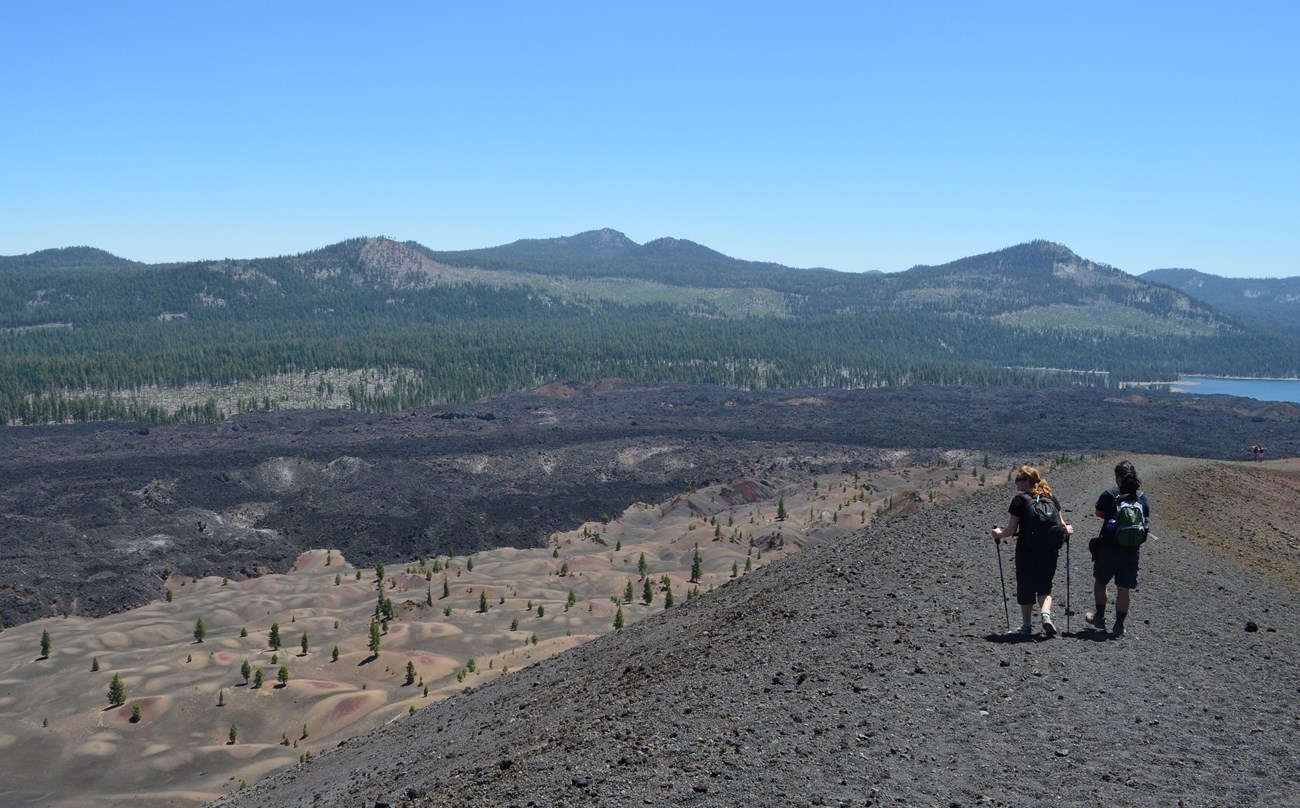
(92,515)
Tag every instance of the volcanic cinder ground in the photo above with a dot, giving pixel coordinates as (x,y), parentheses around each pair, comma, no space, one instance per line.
(65,744)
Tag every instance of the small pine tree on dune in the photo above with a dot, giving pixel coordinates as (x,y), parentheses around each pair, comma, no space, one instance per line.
(116,691)
(273,638)
(246,670)
(45,645)
(618,618)
(200,630)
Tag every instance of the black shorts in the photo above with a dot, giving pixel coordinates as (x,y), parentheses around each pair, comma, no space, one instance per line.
(1120,563)
(1035,569)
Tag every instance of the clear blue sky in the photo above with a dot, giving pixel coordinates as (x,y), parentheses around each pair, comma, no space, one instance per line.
(853,135)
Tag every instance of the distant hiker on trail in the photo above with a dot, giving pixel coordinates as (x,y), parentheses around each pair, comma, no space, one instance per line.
(1258,452)
(1124,511)
(1036,520)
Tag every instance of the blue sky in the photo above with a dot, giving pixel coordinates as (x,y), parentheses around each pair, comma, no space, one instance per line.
(852,135)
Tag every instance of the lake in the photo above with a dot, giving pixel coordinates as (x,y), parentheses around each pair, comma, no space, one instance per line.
(1261,389)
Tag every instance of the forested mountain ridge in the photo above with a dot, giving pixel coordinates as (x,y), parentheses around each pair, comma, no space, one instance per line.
(1272,303)
(377,324)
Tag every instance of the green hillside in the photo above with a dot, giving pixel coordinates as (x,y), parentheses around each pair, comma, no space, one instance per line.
(1266,303)
(376,324)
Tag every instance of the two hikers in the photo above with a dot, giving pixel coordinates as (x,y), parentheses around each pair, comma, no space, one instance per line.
(1036,518)
(1123,510)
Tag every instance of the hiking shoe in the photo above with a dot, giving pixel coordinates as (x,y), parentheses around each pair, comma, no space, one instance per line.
(1026,630)
(1118,631)
(1095,620)
(1048,628)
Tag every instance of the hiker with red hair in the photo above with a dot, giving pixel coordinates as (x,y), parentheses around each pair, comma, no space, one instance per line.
(1040,529)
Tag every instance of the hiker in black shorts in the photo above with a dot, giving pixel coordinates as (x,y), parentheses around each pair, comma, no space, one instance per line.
(1036,554)
(1109,560)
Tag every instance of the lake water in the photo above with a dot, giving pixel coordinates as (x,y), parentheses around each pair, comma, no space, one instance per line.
(1262,389)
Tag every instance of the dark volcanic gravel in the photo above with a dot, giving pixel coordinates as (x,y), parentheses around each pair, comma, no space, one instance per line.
(874,670)
(91,515)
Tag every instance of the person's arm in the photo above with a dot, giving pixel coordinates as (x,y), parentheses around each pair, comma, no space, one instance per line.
(1060,517)
(1013,524)
(1104,503)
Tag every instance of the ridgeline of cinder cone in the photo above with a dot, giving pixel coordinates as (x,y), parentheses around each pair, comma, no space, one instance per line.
(876,669)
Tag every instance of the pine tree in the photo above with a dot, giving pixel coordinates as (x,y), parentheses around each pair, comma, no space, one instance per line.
(482,601)
(305,644)
(374,639)
(45,645)
(334,656)
(283,675)
(641,566)
(221,698)
(94,664)
(697,565)
(379,573)
(258,679)
(668,599)
(628,592)
(135,713)
(200,630)
(410,672)
(446,587)
(274,638)
(780,510)
(246,670)
(618,618)
(116,691)
(647,592)
(234,733)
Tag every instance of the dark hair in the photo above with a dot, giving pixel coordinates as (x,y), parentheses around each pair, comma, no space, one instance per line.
(1127,477)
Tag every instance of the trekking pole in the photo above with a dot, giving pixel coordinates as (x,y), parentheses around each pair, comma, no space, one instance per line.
(1006,609)
(1068,611)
